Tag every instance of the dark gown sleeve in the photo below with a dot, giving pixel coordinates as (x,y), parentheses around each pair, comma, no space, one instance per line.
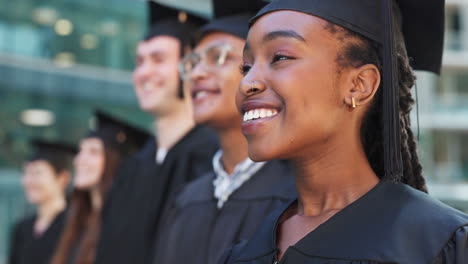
(456,249)
(15,244)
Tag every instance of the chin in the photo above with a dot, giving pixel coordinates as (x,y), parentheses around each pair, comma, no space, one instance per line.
(203,117)
(263,147)
(200,119)
(34,198)
(259,153)
(149,108)
(81,185)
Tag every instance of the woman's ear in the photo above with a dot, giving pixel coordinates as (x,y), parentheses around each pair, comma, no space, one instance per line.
(365,83)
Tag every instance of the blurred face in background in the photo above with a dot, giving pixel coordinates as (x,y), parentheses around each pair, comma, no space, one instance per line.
(155,78)
(89,164)
(213,75)
(42,183)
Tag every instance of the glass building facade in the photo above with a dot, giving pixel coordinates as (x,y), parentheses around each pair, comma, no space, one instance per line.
(443,113)
(61,59)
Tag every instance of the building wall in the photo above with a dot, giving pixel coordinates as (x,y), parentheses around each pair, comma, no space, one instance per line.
(443,113)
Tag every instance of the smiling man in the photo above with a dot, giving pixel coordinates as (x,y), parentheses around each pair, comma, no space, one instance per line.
(179,152)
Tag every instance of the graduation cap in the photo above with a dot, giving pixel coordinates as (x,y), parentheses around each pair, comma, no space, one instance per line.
(59,155)
(423,31)
(231,17)
(168,21)
(117,134)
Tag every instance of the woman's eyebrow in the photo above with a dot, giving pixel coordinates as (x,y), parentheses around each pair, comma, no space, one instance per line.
(277,34)
(282,34)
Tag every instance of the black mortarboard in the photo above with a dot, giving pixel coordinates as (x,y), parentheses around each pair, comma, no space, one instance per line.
(117,134)
(168,21)
(231,17)
(59,155)
(423,31)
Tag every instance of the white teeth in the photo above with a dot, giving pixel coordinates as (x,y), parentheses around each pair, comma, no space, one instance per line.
(259,113)
(251,115)
(200,94)
(147,87)
(256,113)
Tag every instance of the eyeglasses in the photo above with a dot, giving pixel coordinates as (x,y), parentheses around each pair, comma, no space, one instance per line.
(211,58)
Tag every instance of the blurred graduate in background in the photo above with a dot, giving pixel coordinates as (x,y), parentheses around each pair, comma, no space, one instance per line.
(227,204)
(45,178)
(179,151)
(101,152)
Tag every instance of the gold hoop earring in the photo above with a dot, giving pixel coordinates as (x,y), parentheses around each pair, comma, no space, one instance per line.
(353,102)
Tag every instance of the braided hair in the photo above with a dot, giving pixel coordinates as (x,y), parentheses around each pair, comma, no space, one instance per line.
(357,50)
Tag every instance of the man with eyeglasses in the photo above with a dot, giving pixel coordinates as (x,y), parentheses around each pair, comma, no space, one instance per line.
(178,154)
(227,204)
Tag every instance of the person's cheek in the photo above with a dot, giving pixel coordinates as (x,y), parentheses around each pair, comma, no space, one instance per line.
(41,182)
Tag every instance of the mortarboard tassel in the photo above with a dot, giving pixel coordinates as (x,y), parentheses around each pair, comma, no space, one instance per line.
(390,93)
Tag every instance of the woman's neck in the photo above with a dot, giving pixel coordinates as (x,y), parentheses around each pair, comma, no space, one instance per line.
(332,177)
(234,147)
(47,212)
(96,198)
(173,127)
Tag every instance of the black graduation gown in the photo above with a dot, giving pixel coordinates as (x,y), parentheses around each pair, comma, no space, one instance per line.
(393,223)
(27,248)
(142,189)
(195,231)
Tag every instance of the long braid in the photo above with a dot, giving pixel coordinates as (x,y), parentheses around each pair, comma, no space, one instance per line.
(420,181)
(412,168)
(358,51)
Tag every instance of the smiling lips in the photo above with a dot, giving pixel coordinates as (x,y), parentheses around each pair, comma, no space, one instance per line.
(199,92)
(151,85)
(259,113)
(147,87)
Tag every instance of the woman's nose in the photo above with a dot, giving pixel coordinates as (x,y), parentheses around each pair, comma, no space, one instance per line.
(249,86)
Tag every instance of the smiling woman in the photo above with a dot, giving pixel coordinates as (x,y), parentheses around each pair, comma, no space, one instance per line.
(100,154)
(338,75)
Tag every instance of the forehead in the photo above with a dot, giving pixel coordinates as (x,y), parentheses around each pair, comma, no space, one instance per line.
(91,142)
(219,38)
(162,44)
(40,163)
(307,26)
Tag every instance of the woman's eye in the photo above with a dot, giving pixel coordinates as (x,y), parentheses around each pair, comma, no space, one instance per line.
(138,62)
(280,57)
(244,69)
